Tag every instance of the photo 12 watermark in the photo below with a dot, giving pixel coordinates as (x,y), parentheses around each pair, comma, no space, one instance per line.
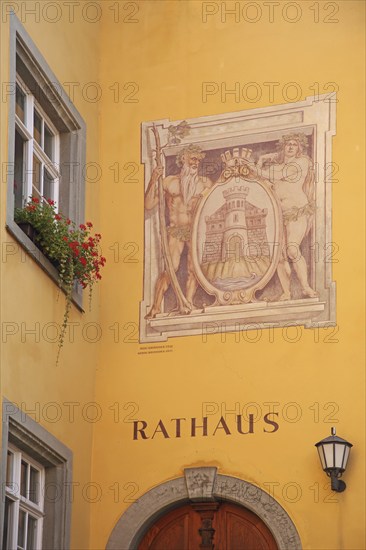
(270,12)
(53,12)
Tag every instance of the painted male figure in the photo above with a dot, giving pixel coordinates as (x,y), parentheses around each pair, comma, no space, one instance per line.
(182,193)
(290,172)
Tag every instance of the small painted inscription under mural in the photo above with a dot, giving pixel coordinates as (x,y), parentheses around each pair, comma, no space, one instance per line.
(147,350)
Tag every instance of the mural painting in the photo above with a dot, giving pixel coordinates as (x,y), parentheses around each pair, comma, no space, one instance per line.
(231,225)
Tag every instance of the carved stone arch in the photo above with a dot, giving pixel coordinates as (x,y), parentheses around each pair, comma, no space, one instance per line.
(197,485)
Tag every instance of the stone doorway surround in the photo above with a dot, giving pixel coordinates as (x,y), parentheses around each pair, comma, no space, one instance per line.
(199,485)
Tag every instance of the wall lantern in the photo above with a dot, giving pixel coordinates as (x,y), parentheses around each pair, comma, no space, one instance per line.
(333,453)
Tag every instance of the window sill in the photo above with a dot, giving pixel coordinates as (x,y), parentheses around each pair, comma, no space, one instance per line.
(35,253)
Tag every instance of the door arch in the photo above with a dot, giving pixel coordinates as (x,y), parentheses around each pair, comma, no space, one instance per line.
(198,485)
(224,525)
(234,247)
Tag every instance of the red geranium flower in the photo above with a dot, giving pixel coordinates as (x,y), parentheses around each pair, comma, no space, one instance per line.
(82,226)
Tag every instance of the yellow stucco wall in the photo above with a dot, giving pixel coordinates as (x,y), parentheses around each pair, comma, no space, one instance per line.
(169,53)
(163,51)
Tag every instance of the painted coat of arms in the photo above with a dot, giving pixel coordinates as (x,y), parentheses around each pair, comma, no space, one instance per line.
(237,208)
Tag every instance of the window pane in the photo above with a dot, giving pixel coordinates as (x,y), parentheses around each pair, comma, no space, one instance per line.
(20,104)
(18,170)
(9,469)
(23,479)
(32,533)
(37,130)
(8,519)
(48,142)
(48,187)
(37,176)
(34,485)
(21,528)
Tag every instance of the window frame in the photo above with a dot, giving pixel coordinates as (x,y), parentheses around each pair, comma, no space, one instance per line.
(27,62)
(42,449)
(21,503)
(33,149)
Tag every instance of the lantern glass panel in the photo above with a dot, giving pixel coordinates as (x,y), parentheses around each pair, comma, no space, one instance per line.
(321,456)
(346,455)
(328,452)
(339,454)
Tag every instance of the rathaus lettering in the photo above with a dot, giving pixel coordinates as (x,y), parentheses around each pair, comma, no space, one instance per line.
(193,427)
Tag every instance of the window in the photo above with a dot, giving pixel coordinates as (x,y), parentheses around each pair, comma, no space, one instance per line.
(46,141)
(23,521)
(36,150)
(35,480)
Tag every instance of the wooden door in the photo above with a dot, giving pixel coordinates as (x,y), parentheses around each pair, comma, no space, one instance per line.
(237,528)
(210,526)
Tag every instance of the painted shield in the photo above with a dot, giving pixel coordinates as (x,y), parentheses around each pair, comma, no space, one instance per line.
(236,239)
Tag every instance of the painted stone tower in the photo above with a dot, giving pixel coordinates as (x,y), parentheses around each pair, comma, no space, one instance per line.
(236,230)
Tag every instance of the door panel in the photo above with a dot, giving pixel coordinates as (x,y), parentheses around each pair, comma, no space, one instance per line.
(212,526)
(240,529)
(177,530)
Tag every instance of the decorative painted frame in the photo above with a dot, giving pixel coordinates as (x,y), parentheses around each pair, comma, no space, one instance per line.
(246,294)
(261,129)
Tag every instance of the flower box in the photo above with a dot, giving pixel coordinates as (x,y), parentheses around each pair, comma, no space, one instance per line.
(32,234)
(72,249)
(29,230)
